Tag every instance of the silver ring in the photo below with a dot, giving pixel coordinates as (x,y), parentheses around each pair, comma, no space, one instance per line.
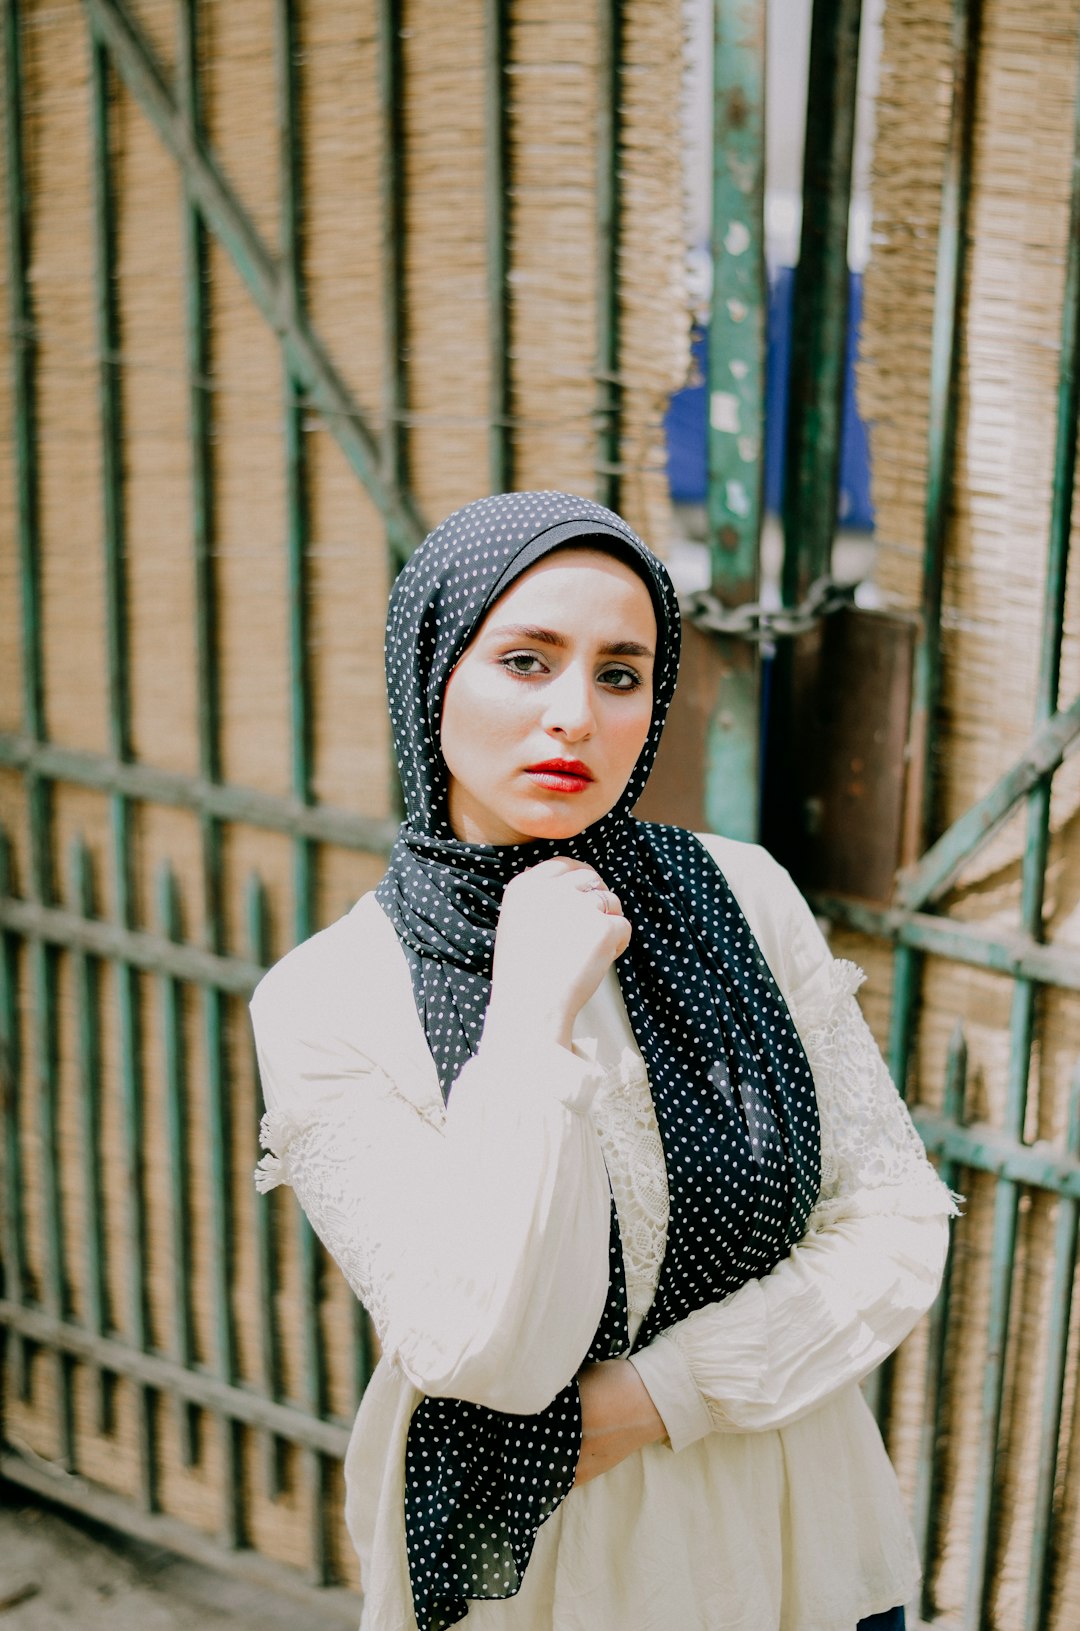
(601,891)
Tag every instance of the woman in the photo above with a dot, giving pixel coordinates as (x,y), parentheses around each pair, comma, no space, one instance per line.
(591,1121)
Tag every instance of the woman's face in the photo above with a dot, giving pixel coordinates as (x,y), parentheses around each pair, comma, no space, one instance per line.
(547,710)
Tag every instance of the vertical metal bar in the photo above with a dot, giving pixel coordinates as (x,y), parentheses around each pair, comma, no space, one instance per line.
(736,396)
(608,222)
(23,360)
(198,320)
(928,1480)
(44,962)
(736,374)
(946,348)
(304,851)
(496,84)
(258,930)
(392,180)
(820,303)
(87,984)
(112,481)
(43,959)
(1057,1347)
(1034,870)
(945,355)
(14,1237)
(197,338)
(176,1121)
(24,406)
(1032,893)
(394,445)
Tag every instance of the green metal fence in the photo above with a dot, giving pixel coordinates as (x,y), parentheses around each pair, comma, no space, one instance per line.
(51,920)
(56,918)
(55,934)
(916,930)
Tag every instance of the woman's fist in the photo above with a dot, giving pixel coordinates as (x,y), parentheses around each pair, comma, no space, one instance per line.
(560,929)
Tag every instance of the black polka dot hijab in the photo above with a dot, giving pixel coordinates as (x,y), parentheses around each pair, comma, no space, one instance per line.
(733,1092)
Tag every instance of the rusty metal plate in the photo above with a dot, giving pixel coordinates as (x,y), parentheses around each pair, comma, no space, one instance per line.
(846,754)
(706,772)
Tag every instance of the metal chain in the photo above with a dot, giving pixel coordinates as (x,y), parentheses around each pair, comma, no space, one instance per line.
(766,624)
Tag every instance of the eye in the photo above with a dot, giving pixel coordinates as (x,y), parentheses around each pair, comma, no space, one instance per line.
(620,679)
(524,664)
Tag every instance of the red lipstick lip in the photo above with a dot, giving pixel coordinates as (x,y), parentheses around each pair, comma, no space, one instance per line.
(563,767)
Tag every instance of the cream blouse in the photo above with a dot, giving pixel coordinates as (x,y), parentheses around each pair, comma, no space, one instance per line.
(476,1236)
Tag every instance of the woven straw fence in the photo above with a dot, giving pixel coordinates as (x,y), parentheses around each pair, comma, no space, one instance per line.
(551,89)
(995,570)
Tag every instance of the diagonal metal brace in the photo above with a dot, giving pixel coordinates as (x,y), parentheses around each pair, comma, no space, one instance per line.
(268,285)
(920,884)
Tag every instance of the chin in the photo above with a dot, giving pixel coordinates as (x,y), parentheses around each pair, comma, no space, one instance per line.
(554,824)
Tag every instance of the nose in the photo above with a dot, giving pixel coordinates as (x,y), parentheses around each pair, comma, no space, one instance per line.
(568,710)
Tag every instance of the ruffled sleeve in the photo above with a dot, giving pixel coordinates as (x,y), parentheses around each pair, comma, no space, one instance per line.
(477,1237)
(870,1263)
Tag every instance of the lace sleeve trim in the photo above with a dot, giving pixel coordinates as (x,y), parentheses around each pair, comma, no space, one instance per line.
(869,1145)
(319,1160)
(276,1133)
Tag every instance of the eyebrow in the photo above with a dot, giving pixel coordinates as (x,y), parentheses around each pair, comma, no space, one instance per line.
(550,637)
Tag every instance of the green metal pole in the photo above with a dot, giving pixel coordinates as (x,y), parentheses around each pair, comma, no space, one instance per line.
(928,1477)
(609,222)
(736,395)
(394,449)
(496,92)
(945,355)
(1036,1614)
(736,380)
(15,1266)
(24,413)
(258,930)
(116,622)
(304,852)
(820,303)
(198,323)
(176,1121)
(86,978)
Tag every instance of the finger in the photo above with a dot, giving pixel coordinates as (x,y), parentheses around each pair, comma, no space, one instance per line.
(554,867)
(608,902)
(587,880)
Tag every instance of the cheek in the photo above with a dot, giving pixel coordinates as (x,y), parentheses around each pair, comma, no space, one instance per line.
(632,734)
(478,715)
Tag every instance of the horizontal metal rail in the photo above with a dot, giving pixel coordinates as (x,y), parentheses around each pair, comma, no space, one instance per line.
(322,1605)
(1018,955)
(105,774)
(136,948)
(186,1382)
(984,1148)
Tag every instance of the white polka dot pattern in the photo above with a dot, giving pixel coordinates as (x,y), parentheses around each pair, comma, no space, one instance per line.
(734,1096)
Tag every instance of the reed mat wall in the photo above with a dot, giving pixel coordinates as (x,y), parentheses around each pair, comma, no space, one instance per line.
(550,88)
(996,552)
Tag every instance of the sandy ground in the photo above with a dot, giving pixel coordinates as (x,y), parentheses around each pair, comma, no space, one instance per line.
(59,1574)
